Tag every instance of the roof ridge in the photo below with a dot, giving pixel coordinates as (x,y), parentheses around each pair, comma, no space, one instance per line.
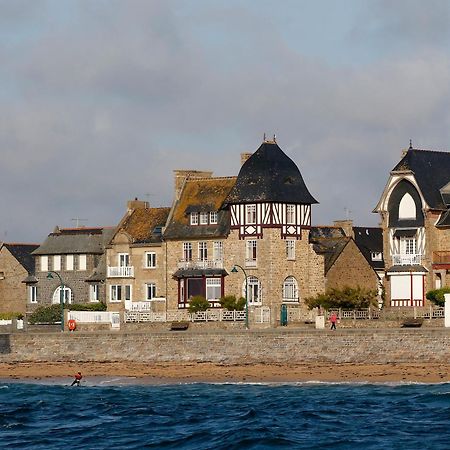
(428,150)
(20,243)
(211,178)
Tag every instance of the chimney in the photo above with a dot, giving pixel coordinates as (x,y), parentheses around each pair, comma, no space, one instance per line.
(180,176)
(244,157)
(347,226)
(137,204)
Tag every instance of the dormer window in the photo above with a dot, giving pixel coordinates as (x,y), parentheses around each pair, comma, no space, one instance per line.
(376,256)
(290,214)
(203,218)
(194,218)
(213,217)
(250,214)
(407,208)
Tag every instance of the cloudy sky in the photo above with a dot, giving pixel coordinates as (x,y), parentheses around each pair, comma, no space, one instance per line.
(100,100)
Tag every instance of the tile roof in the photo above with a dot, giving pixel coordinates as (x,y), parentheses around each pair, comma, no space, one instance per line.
(431,170)
(204,194)
(23,254)
(269,175)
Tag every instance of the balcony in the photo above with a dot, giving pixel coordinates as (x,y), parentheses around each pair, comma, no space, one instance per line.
(406,260)
(441,257)
(201,264)
(120,272)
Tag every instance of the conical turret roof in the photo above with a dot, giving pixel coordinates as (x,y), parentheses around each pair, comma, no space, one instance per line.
(269,175)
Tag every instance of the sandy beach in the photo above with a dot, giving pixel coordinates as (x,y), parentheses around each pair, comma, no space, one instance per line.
(209,372)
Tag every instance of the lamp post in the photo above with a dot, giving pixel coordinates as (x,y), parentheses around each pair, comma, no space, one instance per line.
(234,270)
(61,294)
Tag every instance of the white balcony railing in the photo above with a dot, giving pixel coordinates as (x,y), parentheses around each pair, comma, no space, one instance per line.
(406,260)
(121,272)
(199,264)
(251,262)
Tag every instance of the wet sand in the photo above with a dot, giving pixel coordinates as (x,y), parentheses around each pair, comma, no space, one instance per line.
(210,372)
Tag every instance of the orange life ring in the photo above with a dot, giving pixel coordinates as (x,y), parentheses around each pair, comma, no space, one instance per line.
(72,324)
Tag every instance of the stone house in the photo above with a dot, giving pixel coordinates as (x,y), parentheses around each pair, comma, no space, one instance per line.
(16,266)
(415,217)
(135,257)
(77,256)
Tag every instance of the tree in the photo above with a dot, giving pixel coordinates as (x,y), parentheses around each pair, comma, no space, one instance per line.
(345,298)
(230,303)
(437,295)
(198,303)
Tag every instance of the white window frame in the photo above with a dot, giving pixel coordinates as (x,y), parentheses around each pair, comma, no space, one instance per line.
(290,214)
(251,252)
(94,293)
(376,256)
(32,293)
(290,290)
(194,218)
(204,218)
(213,217)
(150,260)
(44,263)
(67,296)
(123,259)
(218,251)
(203,251)
(290,249)
(82,262)
(250,214)
(213,289)
(57,263)
(115,293)
(254,286)
(150,291)
(69,262)
(187,251)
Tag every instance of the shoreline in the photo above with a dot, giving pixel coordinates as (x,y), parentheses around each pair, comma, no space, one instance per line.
(210,372)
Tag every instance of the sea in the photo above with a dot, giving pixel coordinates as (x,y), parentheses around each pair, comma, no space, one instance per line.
(127,413)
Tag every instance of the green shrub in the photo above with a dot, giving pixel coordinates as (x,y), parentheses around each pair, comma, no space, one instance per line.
(437,295)
(97,306)
(46,314)
(230,303)
(345,298)
(11,315)
(198,303)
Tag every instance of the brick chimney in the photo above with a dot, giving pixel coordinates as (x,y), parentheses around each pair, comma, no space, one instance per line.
(137,204)
(347,226)
(244,157)
(181,175)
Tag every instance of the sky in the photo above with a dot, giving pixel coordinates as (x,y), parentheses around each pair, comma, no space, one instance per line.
(101,100)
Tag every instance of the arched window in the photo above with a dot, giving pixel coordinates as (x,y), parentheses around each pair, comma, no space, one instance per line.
(290,290)
(407,208)
(67,295)
(254,291)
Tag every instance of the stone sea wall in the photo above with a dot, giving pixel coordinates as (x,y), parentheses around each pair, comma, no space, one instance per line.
(233,347)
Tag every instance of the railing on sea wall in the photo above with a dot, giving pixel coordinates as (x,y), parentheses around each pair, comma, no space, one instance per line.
(96,317)
(214,315)
(417,312)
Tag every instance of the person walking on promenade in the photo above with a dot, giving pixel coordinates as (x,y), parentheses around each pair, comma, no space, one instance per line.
(77,379)
(333,320)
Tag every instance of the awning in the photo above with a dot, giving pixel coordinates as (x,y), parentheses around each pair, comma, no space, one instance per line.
(410,232)
(417,269)
(188,273)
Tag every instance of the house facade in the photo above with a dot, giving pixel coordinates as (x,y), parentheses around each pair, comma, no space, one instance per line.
(16,265)
(70,260)
(415,217)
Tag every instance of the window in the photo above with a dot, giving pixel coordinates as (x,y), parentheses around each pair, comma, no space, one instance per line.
(119,293)
(213,288)
(290,214)
(250,253)
(187,251)
(194,218)
(290,290)
(290,249)
(250,214)
(218,251)
(203,218)
(202,251)
(408,246)
(57,262)
(407,208)
(150,289)
(67,295)
(81,262)
(376,256)
(44,263)
(213,217)
(150,260)
(94,293)
(124,259)
(69,262)
(32,294)
(254,291)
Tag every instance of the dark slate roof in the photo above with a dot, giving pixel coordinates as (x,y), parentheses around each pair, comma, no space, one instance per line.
(99,273)
(23,254)
(200,195)
(411,268)
(144,225)
(370,239)
(432,172)
(185,273)
(75,240)
(444,219)
(269,175)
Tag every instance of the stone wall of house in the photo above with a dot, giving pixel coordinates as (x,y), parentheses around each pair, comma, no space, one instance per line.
(142,274)
(351,269)
(13,293)
(279,346)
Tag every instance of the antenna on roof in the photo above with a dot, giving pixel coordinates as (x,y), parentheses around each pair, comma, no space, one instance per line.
(274,138)
(264,137)
(410,144)
(78,220)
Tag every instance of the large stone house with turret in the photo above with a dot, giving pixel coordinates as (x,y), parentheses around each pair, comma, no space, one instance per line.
(415,217)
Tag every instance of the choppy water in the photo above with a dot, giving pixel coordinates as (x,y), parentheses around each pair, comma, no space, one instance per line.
(224,416)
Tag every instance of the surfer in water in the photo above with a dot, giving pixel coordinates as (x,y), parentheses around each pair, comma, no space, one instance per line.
(77,379)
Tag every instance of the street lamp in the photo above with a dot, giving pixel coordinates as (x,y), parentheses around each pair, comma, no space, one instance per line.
(234,270)
(61,294)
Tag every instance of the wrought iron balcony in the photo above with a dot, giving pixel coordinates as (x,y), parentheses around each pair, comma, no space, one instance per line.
(120,272)
(406,260)
(200,264)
